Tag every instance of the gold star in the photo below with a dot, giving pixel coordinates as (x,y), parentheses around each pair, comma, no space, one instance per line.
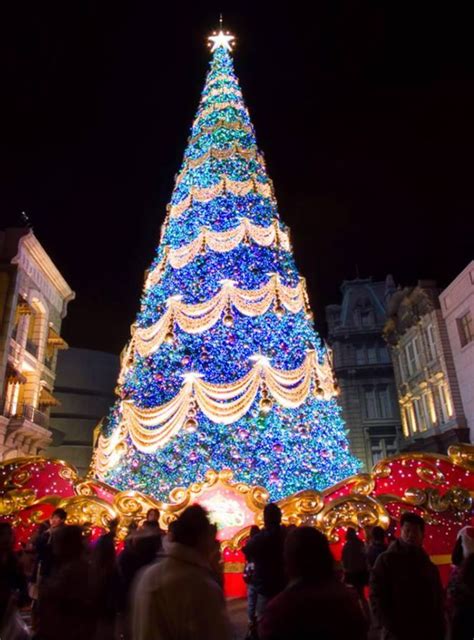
(221,39)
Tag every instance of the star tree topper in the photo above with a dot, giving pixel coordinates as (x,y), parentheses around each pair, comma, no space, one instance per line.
(221,39)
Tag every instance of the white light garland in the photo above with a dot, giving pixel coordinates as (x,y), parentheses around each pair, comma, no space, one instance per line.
(150,429)
(225,185)
(197,318)
(221,242)
(221,154)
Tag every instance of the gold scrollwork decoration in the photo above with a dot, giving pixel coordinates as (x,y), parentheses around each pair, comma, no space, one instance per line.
(15,500)
(354,510)
(462,455)
(84,510)
(300,507)
(430,474)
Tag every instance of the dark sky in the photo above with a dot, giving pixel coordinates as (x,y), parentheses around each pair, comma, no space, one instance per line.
(364,112)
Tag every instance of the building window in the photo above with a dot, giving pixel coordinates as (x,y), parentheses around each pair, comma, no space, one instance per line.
(431,341)
(465,329)
(367,318)
(383,354)
(413,358)
(385,402)
(445,401)
(420,415)
(402,365)
(370,404)
(360,355)
(372,355)
(378,403)
(425,401)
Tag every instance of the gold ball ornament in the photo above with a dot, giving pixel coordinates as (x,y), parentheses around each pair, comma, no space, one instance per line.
(191,425)
(265,405)
(319,392)
(228,320)
(279,310)
(169,338)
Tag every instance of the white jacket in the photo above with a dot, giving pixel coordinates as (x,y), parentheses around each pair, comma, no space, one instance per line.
(178,598)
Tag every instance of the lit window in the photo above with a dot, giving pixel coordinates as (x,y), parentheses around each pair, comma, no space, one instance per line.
(465,328)
(420,414)
(445,401)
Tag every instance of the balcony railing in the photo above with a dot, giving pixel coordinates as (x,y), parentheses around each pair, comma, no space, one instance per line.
(30,413)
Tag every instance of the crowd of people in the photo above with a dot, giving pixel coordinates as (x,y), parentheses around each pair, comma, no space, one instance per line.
(170,586)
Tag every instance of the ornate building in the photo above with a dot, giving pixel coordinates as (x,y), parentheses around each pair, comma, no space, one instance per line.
(428,391)
(457,307)
(364,369)
(33,302)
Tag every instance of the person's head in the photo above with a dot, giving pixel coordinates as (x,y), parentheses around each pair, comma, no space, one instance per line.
(193,529)
(58,517)
(152,515)
(254,530)
(377,535)
(272,516)
(351,534)
(412,529)
(68,543)
(308,556)
(6,537)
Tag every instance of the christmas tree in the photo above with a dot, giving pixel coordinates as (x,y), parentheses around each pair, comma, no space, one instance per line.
(224,368)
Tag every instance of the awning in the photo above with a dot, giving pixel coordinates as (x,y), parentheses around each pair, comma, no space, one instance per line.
(47,399)
(14,375)
(55,340)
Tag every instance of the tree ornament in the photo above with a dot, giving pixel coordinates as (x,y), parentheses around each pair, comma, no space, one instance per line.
(191,425)
(265,405)
(228,320)
(279,310)
(169,337)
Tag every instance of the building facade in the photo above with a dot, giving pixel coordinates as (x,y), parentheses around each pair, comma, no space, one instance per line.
(85,381)
(457,308)
(364,369)
(428,391)
(33,303)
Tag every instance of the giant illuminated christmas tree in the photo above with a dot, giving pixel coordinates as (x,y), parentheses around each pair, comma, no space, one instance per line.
(224,368)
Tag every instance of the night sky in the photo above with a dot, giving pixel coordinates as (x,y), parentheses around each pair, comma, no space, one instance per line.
(364,113)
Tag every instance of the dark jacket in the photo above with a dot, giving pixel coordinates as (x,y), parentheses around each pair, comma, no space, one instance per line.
(406,594)
(306,611)
(12,583)
(462,627)
(374,550)
(353,556)
(265,550)
(44,549)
